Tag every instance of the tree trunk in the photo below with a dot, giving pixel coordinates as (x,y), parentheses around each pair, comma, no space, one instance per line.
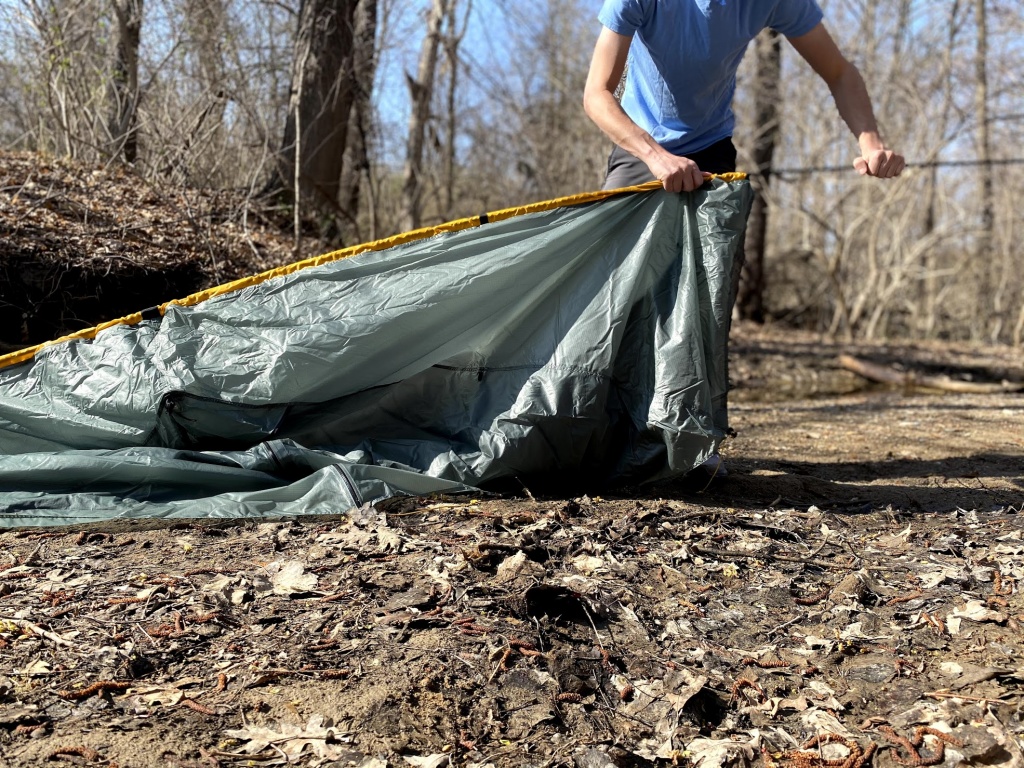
(356,163)
(452,41)
(985,253)
(928,298)
(205,22)
(750,297)
(124,82)
(421,91)
(322,94)
(208,30)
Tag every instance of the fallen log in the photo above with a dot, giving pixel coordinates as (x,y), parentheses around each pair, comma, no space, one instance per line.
(914,380)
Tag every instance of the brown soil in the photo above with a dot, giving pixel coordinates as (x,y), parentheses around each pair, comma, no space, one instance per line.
(857,571)
(81,245)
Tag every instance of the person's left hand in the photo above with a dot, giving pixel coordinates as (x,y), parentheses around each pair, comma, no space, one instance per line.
(882,163)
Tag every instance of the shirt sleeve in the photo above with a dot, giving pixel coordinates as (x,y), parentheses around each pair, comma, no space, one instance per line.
(793,18)
(624,17)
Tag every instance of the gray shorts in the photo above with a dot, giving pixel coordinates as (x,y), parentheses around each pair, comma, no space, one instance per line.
(624,170)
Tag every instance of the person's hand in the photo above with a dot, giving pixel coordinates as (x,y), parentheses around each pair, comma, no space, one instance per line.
(881,163)
(677,174)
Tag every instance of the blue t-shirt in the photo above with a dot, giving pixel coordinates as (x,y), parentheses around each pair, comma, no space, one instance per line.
(683,60)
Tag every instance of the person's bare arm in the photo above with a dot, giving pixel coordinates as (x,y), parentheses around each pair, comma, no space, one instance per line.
(851,96)
(677,174)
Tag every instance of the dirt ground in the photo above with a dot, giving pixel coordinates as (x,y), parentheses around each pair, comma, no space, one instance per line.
(80,245)
(848,596)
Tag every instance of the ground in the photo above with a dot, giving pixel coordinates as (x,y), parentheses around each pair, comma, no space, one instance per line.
(847,596)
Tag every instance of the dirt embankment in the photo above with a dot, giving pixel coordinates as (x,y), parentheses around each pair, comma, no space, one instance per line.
(81,245)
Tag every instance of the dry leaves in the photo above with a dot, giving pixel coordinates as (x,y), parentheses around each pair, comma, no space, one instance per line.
(322,741)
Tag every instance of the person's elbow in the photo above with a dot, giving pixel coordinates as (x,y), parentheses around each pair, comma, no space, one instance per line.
(593,99)
(589,102)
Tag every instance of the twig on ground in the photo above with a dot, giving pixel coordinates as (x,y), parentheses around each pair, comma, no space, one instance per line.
(726,554)
(950,695)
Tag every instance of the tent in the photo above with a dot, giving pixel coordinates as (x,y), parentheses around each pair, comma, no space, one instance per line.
(580,340)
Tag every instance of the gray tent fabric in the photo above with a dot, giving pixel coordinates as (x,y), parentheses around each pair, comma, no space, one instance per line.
(584,344)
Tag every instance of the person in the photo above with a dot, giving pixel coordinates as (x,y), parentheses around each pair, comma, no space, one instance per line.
(675,120)
(676,109)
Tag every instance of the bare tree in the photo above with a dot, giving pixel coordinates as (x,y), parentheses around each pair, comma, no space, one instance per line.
(945,84)
(124,81)
(768,52)
(207,32)
(323,91)
(453,37)
(985,255)
(67,67)
(869,259)
(421,93)
(205,23)
(356,164)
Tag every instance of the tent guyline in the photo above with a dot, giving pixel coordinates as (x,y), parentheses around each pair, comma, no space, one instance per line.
(781,173)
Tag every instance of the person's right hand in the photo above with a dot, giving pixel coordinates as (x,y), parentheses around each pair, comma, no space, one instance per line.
(883,163)
(676,174)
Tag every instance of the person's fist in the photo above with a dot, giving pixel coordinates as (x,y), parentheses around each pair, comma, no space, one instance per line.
(678,174)
(882,163)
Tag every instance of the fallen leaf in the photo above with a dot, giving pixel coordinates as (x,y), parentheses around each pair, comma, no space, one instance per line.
(291,739)
(289,578)
(775,704)
(679,699)
(588,564)
(517,567)
(819,721)
(430,761)
(718,753)
(37,667)
(950,668)
(975,610)
(165,697)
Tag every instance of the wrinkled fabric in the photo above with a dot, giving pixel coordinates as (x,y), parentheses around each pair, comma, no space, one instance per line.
(582,345)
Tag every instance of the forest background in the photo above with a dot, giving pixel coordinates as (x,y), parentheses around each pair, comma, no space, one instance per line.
(356,119)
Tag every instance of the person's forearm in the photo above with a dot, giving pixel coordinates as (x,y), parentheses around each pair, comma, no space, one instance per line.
(602,107)
(854,105)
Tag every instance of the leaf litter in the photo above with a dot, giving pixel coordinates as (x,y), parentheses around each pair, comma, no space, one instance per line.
(786,619)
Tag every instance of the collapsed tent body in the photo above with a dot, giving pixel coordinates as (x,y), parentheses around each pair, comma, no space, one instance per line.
(577,343)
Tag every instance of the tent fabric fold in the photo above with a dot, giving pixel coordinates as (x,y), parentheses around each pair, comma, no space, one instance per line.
(580,344)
